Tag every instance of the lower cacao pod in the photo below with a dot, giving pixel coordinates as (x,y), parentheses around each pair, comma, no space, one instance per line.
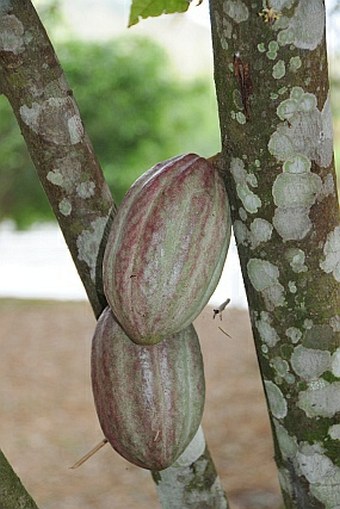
(149,399)
(166,248)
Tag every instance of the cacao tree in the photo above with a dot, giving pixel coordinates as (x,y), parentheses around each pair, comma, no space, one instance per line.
(277,162)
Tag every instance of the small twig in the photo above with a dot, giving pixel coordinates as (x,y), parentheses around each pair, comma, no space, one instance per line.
(89,454)
(219,310)
(224,332)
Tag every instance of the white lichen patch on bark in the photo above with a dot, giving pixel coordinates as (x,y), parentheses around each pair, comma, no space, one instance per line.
(288,444)
(174,494)
(313,464)
(279,70)
(294,192)
(334,322)
(294,334)
(304,135)
(69,175)
(267,333)
(335,367)
(264,276)
(241,232)
(5,6)
(308,363)
(328,187)
(56,119)
(55,177)
(75,129)
(281,367)
(295,63)
(272,50)
(88,243)
(308,324)
(251,202)
(86,189)
(224,31)
(236,10)
(334,431)
(237,98)
(331,251)
(305,28)
(328,491)
(240,117)
(12,34)
(321,473)
(260,231)
(285,481)
(296,258)
(321,399)
(276,400)
(278,5)
(326,135)
(65,207)
(292,286)
(309,131)
(311,461)
(292,223)
(243,214)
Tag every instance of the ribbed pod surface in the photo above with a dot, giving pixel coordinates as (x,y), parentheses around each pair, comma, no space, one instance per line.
(166,248)
(149,400)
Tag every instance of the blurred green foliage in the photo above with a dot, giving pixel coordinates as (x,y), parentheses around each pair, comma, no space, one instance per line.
(335,100)
(136,113)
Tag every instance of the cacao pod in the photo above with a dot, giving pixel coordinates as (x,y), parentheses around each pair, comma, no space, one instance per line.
(149,399)
(166,248)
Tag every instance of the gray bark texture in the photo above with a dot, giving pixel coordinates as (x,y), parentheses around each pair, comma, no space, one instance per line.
(49,119)
(277,159)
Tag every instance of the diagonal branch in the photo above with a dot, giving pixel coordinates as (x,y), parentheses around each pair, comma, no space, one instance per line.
(11,488)
(49,119)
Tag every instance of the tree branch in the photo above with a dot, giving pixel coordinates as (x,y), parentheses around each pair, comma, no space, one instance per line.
(11,488)
(50,122)
(192,481)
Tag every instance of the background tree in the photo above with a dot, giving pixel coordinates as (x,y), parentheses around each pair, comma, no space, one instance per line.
(160,115)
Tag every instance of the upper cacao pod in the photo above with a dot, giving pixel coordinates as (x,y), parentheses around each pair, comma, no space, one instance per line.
(149,399)
(166,248)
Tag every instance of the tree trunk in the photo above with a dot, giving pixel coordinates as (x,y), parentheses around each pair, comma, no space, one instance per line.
(49,119)
(277,158)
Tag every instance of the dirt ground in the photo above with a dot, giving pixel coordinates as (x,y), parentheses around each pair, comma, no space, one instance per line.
(48,419)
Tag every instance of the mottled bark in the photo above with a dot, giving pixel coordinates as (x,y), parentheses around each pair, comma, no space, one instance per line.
(192,482)
(277,158)
(47,113)
(49,119)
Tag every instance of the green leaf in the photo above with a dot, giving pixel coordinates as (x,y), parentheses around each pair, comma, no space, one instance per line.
(147,8)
